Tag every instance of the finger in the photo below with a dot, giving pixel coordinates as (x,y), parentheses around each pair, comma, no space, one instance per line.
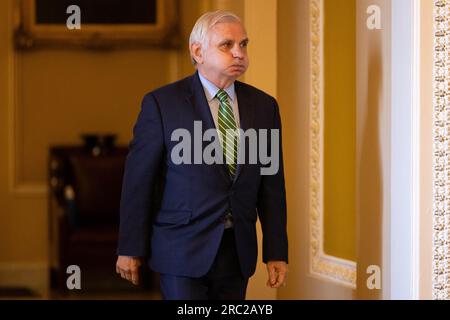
(124,274)
(272,275)
(135,277)
(117,269)
(280,279)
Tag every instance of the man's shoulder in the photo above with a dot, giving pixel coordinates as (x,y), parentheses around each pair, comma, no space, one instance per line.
(251,91)
(173,89)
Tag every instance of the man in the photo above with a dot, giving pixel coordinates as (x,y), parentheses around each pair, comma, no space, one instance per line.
(202,238)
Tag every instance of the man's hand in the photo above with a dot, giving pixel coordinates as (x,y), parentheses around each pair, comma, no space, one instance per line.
(128,267)
(277,271)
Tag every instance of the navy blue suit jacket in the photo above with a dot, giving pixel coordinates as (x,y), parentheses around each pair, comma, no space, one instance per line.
(183,234)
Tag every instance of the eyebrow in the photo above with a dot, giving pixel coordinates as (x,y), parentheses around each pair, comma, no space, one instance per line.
(229,40)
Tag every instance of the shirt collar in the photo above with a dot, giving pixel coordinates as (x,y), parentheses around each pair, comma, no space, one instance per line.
(211,89)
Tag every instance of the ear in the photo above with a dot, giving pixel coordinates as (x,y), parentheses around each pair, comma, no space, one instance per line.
(196,52)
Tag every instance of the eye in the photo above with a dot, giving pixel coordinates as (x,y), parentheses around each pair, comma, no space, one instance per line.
(227,45)
(244,43)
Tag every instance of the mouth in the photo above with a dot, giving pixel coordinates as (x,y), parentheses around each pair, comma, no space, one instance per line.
(239,66)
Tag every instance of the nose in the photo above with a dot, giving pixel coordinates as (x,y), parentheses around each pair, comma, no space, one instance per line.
(238,52)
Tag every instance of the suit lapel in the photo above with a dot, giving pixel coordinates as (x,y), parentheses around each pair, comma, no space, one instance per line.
(246,114)
(201,107)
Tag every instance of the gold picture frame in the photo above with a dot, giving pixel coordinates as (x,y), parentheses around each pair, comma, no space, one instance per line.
(163,32)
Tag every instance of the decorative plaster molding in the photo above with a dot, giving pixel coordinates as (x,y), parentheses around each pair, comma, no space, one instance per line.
(16,184)
(441,161)
(326,267)
(15,142)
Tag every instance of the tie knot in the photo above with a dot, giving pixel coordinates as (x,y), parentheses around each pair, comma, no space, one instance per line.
(222,95)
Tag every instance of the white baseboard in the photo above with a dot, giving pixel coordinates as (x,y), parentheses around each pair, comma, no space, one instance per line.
(33,275)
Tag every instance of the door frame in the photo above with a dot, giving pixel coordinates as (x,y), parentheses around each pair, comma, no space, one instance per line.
(401,234)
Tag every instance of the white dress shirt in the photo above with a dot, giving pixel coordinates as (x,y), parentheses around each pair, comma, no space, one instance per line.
(214,104)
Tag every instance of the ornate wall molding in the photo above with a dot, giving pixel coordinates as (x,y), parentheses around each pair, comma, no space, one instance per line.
(326,267)
(441,161)
(16,184)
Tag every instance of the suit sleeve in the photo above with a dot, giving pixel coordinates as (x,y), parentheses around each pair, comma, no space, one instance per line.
(271,205)
(142,164)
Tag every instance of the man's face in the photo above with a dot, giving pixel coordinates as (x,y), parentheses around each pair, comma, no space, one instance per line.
(225,55)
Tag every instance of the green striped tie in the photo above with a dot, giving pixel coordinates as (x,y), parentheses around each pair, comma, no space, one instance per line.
(227,131)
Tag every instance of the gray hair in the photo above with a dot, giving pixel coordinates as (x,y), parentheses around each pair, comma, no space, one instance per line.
(205,23)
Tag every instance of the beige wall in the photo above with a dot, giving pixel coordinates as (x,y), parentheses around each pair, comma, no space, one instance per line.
(293,98)
(372,143)
(261,23)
